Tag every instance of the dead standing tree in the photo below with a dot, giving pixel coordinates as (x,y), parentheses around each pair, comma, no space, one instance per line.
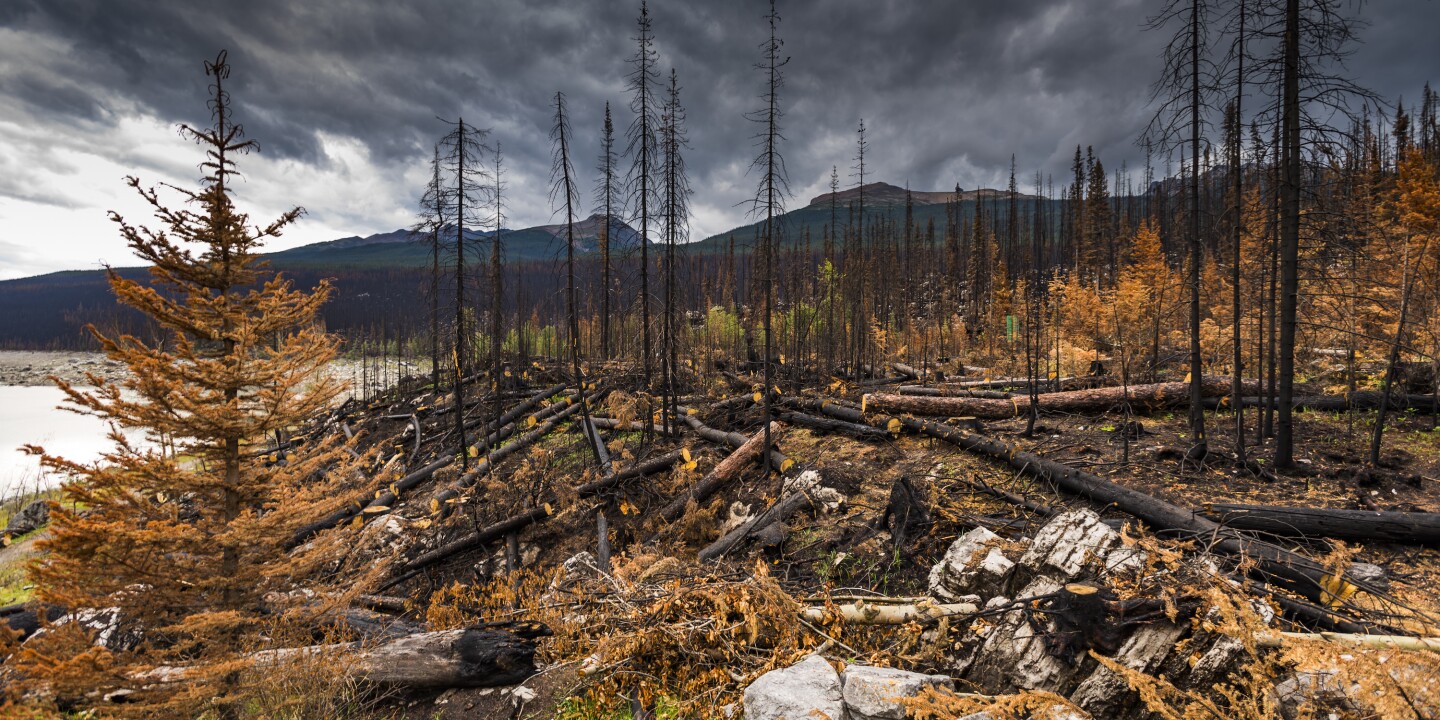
(431,224)
(770,195)
(1185,89)
(643,82)
(1307,95)
(676,209)
(606,197)
(465,190)
(563,190)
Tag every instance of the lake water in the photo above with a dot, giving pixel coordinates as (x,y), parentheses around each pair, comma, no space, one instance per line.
(29,415)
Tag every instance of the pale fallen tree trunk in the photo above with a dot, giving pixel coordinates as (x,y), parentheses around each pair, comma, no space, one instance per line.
(466,658)
(881,612)
(1409,528)
(922,391)
(1097,400)
(723,473)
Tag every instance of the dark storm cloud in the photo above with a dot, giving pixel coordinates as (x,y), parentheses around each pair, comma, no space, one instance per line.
(949,90)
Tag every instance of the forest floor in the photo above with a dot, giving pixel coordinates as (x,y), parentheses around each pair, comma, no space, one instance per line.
(849,550)
(660,603)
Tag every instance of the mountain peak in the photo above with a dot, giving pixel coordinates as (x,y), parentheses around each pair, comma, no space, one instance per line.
(883,193)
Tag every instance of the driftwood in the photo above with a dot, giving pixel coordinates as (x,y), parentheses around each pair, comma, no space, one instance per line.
(723,473)
(1292,571)
(1099,399)
(1396,527)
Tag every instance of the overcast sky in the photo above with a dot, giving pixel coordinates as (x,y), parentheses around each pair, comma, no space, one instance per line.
(344,95)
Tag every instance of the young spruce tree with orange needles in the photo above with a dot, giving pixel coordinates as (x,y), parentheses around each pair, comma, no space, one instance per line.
(184,542)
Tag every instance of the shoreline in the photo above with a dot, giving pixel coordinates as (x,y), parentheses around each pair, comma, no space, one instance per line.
(32,368)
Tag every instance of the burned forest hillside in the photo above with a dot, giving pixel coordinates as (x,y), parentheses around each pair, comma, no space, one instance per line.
(1111,442)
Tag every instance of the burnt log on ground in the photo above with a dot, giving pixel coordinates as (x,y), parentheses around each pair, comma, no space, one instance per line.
(858,431)
(495,531)
(28,617)
(1408,528)
(779,511)
(466,658)
(605,423)
(447,457)
(442,499)
(1293,572)
(732,439)
(1364,400)
(518,411)
(723,473)
(1098,400)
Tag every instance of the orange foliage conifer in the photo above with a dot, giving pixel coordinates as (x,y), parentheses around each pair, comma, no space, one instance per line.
(177,543)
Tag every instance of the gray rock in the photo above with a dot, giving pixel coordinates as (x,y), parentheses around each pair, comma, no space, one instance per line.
(972,566)
(874,693)
(1078,544)
(807,690)
(30,518)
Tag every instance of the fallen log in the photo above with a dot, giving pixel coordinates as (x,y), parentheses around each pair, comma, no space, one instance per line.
(1363,400)
(1292,571)
(831,425)
(466,658)
(778,511)
(1097,400)
(923,391)
(881,611)
(723,473)
(1409,528)
(732,439)
(493,458)
(518,411)
(514,523)
(906,371)
(604,423)
(387,497)
(382,603)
